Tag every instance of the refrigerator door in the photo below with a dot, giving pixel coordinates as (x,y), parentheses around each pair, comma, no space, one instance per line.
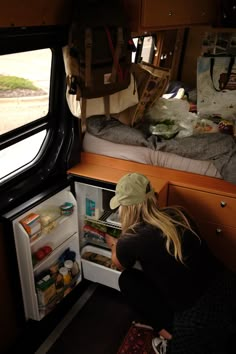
(95,220)
(46,236)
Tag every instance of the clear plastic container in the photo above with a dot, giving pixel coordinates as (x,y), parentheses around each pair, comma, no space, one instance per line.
(66,275)
(69,265)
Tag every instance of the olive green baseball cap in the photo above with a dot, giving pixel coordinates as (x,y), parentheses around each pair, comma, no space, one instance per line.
(131,189)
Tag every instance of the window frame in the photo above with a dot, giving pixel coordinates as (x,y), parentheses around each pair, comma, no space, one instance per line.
(138,55)
(54,156)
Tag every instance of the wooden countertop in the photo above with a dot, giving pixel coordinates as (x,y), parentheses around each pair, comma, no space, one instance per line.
(110,169)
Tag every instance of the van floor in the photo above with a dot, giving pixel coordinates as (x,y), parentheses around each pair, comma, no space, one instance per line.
(97,324)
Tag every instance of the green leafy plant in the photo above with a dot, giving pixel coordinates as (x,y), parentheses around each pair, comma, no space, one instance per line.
(14,82)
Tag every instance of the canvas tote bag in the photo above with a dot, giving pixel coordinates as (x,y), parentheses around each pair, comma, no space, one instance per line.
(151,82)
(216,87)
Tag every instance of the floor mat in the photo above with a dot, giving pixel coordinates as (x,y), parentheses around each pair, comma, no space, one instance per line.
(99,327)
(138,340)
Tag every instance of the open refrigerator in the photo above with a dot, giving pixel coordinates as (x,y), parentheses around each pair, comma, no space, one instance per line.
(59,241)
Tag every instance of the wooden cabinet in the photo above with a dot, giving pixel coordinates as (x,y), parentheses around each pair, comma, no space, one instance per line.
(151,15)
(205,206)
(222,241)
(215,215)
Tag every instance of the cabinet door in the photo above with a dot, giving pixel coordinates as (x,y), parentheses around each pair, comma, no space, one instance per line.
(210,207)
(155,14)
(222,242)
(215,217)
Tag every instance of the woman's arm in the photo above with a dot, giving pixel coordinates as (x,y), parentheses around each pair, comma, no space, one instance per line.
(112,241)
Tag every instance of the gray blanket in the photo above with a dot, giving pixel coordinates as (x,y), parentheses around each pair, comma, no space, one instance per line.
(217,147)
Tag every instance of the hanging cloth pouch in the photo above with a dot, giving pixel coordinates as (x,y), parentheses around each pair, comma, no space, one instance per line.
(216,87)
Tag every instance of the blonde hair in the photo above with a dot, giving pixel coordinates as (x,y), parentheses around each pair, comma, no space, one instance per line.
(148,212)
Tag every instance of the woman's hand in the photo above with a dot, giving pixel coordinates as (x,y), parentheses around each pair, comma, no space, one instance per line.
(110,240)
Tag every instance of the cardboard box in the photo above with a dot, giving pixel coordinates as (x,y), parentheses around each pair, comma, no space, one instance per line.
(31,224)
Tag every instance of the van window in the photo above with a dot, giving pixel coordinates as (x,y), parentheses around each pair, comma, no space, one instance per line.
(19,155)
(24,99)
(145,48)
(24,88)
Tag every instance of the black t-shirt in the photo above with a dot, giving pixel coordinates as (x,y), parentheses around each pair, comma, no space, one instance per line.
(180,284)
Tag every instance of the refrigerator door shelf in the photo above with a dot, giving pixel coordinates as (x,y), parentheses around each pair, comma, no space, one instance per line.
(35,310)
(50,229)
(56,236)
(54,256)
(45,306)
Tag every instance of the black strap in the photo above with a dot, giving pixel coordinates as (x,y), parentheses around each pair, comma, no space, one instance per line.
(229,71)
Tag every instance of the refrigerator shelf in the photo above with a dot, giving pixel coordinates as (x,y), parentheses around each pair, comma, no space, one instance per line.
(104,220)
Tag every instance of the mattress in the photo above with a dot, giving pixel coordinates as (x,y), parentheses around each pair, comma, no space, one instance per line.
(148,156)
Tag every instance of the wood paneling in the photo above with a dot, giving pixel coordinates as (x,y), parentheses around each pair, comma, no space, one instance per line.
(192,52)
(215,215)
(28,13)
(108,168)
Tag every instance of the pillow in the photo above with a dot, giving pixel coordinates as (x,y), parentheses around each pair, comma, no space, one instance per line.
(115,131)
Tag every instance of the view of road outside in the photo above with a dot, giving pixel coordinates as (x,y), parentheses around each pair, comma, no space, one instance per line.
(25,107)
(34,66)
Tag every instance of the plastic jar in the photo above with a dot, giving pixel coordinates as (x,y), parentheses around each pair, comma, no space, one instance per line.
(69,265)
(66,275)
(75,270)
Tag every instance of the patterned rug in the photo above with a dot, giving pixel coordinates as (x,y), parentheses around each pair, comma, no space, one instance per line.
(138,340)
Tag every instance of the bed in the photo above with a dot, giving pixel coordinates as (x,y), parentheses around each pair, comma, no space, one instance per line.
(212,154)
(144,155)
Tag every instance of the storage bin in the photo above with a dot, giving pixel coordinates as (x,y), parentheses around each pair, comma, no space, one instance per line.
(97,272)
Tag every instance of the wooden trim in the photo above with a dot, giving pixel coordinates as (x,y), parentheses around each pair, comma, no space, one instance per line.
(27,13)
(159,46)
(179,42)
(110,169)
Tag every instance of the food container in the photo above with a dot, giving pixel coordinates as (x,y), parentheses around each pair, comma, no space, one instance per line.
(67,208)
(99,273)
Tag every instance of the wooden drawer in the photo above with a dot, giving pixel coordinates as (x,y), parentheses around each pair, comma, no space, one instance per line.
(222,242)
(204,206)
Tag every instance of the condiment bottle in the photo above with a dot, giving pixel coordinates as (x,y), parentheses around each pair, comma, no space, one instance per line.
(59,283)
(75,269)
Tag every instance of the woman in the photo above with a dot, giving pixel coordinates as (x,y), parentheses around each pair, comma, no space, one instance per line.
(181,290)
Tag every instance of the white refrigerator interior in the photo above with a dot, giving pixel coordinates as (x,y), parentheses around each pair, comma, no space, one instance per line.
(95,220)
(48,253)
